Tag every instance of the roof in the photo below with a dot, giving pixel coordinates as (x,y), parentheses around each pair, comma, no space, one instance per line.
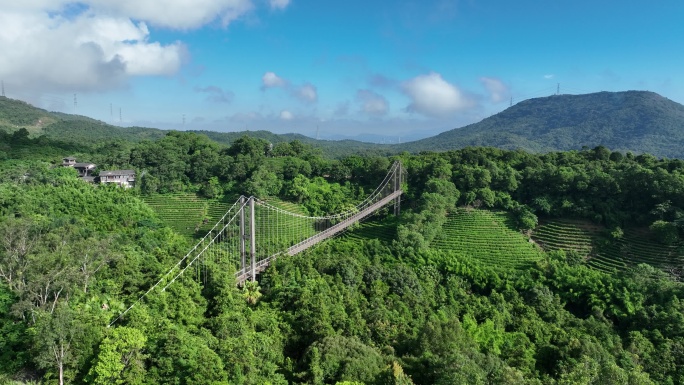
(84,165)
(117,172)
(69,158)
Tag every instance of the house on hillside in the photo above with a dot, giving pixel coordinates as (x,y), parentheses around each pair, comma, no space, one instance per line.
(124,178)
(85,170)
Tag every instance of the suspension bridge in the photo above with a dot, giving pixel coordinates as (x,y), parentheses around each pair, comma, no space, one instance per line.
(253,233)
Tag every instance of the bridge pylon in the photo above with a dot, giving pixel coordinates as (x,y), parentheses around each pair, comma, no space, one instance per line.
(280,233)
(397,187)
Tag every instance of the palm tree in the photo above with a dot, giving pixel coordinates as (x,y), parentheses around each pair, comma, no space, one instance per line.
(251,292)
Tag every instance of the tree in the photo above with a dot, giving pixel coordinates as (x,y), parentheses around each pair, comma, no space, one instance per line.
(54,336)
(525,218)
(251,292)
(345,359)
(120,359)
(665,232)
(263,183)
(18,237)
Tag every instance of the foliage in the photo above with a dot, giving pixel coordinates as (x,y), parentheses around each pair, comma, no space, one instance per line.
(416,307)
(636,121)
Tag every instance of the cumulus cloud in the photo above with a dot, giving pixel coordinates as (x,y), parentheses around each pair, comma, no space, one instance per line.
(177,14)
(96,45)
(286,115)
(52,53)
(498,91)
(216,94)
(372,104)
(433,96)
(306,93)
(279,4)
(271,80)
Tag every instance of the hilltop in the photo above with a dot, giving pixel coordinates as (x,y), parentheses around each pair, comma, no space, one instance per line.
(636,121)
(82,130)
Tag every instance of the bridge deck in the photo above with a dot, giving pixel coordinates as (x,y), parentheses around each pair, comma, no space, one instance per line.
(261,265)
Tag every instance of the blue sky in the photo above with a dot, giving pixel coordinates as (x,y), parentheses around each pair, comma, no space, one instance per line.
(401,69)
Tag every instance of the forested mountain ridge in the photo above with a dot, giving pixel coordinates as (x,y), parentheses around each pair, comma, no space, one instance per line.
(85,131)
(635,121)
(630,121)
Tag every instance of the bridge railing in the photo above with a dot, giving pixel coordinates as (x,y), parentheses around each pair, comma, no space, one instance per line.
(230,235)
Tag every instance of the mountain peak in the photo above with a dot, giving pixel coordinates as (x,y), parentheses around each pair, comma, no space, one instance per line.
(636,121)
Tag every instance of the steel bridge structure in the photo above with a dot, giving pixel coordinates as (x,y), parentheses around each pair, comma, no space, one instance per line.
(253,233)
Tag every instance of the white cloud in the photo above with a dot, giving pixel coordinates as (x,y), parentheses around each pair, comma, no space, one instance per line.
(279,4)
(432,96)
(549,76)
(306,93)
(96,45)
(286,115)
(372,104)
(271,80)
(498,91)
(177,14)
(88,52)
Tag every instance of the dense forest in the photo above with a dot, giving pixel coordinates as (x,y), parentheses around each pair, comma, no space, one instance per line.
(349,311)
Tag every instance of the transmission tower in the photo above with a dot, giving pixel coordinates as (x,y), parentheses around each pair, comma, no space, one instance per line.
(75,103)
(557,88)
(120,119)
(3,88)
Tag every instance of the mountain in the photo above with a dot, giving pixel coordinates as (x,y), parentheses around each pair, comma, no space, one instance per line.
(82,130)
(636,121)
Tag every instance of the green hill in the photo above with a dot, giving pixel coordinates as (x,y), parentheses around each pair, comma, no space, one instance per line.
(636,121)
(488,237)
(82,130)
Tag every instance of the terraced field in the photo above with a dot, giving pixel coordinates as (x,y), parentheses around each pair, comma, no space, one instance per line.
(488,237)
(565,235)
(285,205)
(383,230)
(187,213)
(635,247)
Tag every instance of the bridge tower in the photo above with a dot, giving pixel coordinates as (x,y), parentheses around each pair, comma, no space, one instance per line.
(245,221)
(397,186)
